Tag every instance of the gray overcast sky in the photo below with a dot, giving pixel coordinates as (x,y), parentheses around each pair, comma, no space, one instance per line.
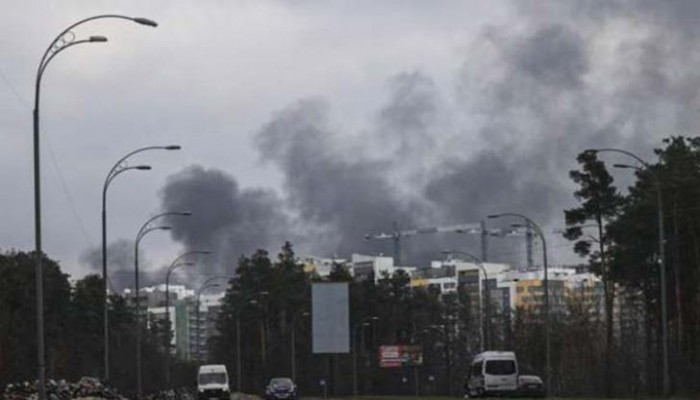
(459,108)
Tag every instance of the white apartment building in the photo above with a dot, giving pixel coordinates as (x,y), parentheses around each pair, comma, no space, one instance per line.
(375,267)
(186,342)
(360,266)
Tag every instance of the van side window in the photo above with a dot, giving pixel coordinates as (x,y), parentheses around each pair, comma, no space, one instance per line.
(477,369)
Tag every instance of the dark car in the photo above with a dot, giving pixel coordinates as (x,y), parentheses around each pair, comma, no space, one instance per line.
(531,386)
(281,389)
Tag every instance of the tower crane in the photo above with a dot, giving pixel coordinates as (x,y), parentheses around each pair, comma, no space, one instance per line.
(468,228)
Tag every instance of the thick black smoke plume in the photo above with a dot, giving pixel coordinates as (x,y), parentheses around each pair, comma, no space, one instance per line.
(530,96)
(226,219)
(120,263)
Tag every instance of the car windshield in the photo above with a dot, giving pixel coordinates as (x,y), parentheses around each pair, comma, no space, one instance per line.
(500,367)
(212,377)
(283,383)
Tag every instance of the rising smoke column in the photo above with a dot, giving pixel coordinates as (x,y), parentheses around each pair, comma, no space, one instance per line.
(226,219)
(569,75)
(556,78)
(120,263)
(341,191)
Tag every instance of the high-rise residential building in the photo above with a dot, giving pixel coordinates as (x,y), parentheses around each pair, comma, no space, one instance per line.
(189,338)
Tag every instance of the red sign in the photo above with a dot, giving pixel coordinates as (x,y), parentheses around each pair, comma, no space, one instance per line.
(400,356)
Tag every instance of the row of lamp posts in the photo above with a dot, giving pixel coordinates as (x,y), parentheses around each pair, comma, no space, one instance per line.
(66,39)
(486,310)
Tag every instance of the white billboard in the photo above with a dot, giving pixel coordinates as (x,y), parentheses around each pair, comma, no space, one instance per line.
(330,320)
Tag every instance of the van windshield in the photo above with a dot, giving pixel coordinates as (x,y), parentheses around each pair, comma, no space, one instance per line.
(500,367)
(212,378)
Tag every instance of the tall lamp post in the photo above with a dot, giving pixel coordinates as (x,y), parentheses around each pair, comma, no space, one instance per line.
(540,233)
(145,229)
(483,289)
(662,256)
(118,168)
(173,266)
(445,331)
(294,343)
(250,301)
(355,329)
(263,331)
(61,42)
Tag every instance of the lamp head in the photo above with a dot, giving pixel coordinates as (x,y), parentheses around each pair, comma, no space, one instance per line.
(145,21)
(173,147)
(591,151)
(97,39)
(143,167)
(184,213)
(493,216)
(624,166)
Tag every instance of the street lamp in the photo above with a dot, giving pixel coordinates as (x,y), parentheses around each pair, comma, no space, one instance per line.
(356,328)
(118,168)
(540,233)
(61,42)
(662,255)
(238,336)
(445,331)
(263,329)
(482,289)
(145,229)
(293,343)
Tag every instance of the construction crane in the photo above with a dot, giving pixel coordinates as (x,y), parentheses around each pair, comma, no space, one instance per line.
(469,228)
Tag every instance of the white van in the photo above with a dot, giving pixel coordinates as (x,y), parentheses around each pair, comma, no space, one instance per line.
(212,383)
(493,373)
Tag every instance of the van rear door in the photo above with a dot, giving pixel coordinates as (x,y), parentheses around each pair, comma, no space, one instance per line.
(501,375)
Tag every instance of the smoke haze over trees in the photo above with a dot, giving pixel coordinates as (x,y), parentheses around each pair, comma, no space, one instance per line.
(498,136)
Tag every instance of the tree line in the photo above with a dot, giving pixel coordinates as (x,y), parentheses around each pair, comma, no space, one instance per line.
(74,330)
(264,316)
(624,248)
(593,352)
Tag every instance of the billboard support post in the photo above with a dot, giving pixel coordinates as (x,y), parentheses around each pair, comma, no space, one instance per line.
(416,382)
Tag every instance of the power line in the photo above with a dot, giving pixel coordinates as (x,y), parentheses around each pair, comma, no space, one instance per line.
(13,90)
(54,161)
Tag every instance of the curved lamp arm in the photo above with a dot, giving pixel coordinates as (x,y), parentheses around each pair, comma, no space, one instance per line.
(145,229)
(620,151)
(66,35)
(121,163)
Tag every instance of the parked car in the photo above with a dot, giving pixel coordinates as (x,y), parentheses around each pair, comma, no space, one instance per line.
(281,389)
(531,386)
